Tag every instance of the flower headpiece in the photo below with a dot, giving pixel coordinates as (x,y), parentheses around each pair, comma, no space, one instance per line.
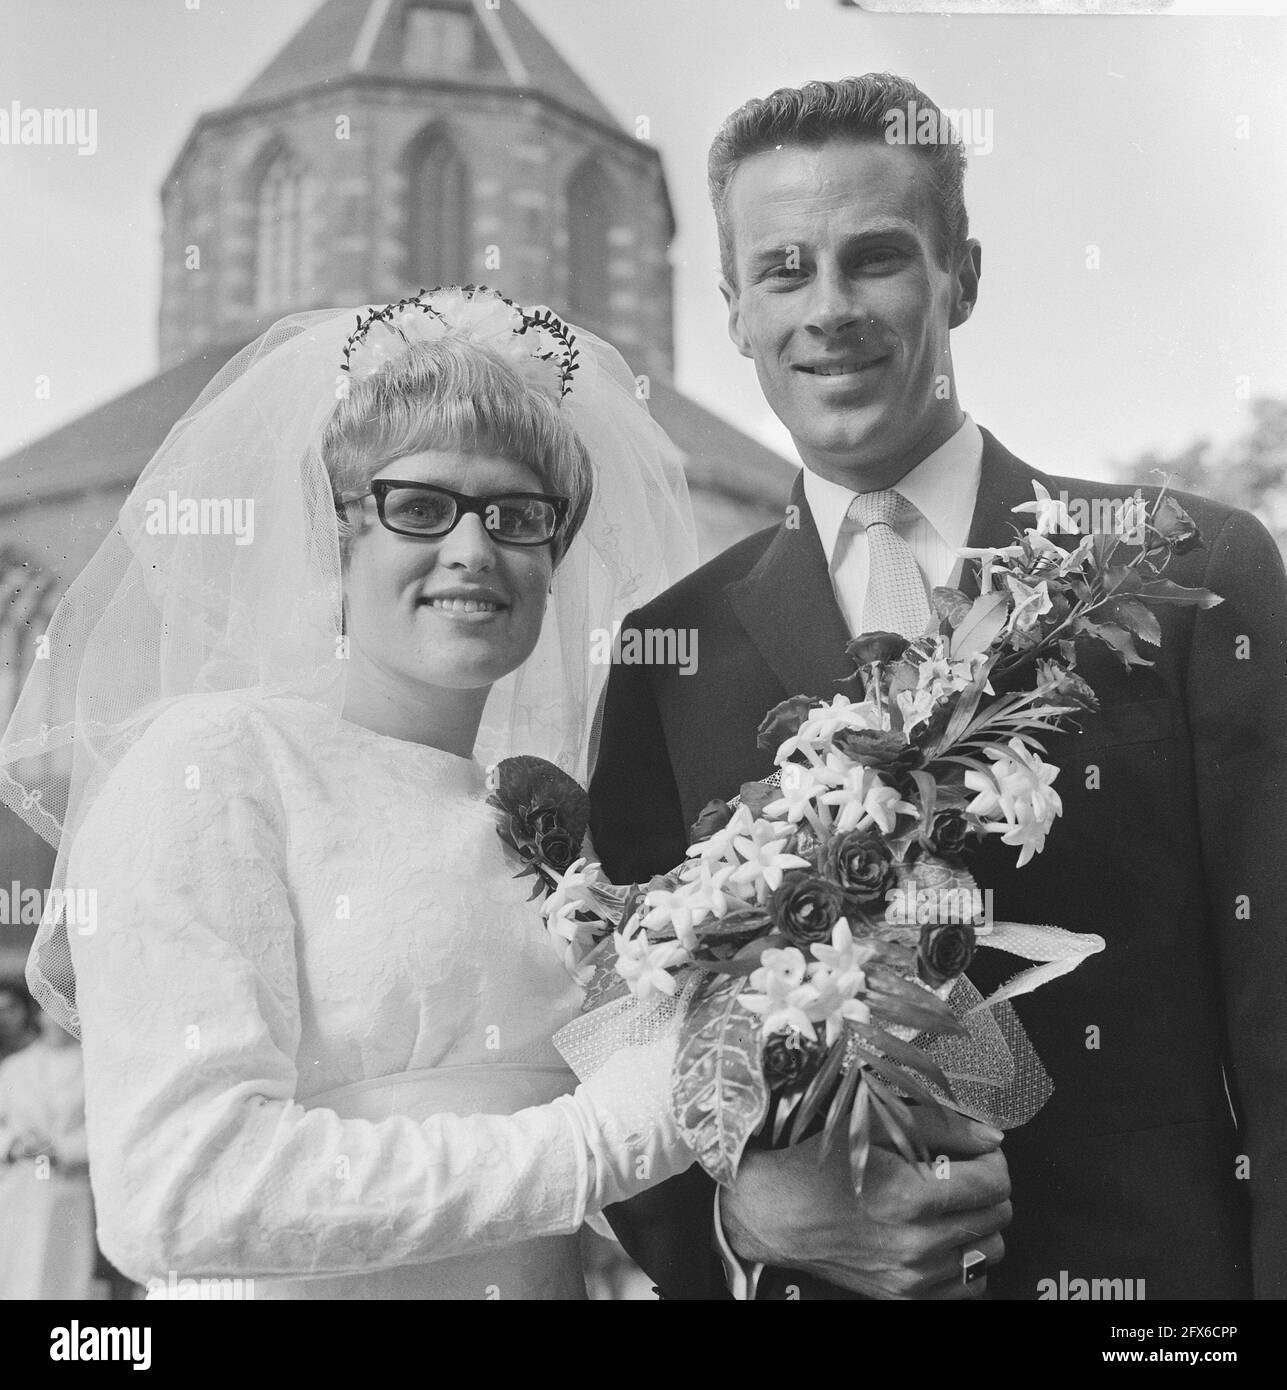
(535,342)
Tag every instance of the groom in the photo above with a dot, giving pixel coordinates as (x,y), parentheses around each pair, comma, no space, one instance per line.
(1160,1163)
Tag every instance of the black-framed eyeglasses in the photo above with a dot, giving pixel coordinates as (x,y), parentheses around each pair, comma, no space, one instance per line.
(428,512)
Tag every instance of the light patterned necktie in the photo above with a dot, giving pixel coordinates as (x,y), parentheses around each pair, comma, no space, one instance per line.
(896,600)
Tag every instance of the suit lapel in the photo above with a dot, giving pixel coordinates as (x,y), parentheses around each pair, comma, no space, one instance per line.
(787,605)
(789,610)
(1004,482)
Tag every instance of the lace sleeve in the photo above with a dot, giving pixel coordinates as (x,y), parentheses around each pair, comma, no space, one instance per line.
(201,1159)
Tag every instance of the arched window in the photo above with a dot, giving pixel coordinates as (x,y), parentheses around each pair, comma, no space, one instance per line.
(439,250)
(589,210)
(281,233)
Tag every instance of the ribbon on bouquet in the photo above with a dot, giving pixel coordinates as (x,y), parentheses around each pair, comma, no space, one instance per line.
(1058,952)
(994,1071)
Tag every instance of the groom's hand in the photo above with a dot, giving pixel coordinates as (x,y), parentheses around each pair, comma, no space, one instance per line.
(903,1238)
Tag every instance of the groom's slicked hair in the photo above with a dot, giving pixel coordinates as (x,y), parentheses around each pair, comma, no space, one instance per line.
(856,108)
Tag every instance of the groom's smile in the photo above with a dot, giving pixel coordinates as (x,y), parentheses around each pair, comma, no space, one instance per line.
(844,303)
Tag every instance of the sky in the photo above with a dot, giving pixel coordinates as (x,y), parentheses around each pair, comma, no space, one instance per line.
(1153,146)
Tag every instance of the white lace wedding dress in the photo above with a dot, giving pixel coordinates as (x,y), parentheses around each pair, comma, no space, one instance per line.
(317,1014)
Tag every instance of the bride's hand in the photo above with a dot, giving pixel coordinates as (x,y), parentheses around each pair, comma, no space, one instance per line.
(902,1239)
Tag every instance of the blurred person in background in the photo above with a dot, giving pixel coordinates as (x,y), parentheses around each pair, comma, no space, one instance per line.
(46,1215)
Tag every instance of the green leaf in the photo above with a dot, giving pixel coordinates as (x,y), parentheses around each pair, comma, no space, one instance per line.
(782,1114)
(1133,614)
(894,1114)
(986,618)
(719,1094)
(1166,591)
(732,968)
(819,1088)
(841,1105)
(909,1056)
(928,788)
(950,605)
(896,1001)
(1116,637)
(860,1135)
(896,1076)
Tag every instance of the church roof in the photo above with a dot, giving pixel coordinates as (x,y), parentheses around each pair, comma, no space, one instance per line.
(348,37)
(108,447)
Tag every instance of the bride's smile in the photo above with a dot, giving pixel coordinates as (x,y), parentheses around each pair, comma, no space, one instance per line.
(453,611)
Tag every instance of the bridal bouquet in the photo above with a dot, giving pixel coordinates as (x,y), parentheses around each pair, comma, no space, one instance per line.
(812,947)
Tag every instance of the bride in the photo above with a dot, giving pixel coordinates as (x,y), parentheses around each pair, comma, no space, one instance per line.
(317,1007)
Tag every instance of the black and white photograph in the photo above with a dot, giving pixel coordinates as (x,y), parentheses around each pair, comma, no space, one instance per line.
(643,657)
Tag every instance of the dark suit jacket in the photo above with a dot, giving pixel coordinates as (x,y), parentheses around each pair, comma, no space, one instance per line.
(1171,846)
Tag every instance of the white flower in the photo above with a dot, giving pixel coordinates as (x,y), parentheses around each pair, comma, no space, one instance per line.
(573,890)
(823,723)
(991,558)
(709,888)
(916,707)
(779,993)
(681,909)
(764,858)
(1029,830)
(936,674)
(849,796)
(645,968)
(883,804)
(800,787)
(1017,790)
(1030,603)
(866,798)
(720,845)
(1051,513)
(844,954)
(835,1000)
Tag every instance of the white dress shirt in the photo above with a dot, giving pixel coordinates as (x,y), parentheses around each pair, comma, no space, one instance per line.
(943,488)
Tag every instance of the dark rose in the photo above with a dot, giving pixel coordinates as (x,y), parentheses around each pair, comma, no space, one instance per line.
(529,791)
(863,868)
(949,832)
(806,907)
(1175,526)
(755,796)
(557,848)
(715,815)
(946,950)
(783,722)
(877,748)
(788,1059)
(870,647)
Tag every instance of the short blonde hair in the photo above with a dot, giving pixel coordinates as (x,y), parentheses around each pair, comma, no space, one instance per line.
(454,394)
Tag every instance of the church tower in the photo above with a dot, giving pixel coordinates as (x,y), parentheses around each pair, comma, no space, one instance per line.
(395,144)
